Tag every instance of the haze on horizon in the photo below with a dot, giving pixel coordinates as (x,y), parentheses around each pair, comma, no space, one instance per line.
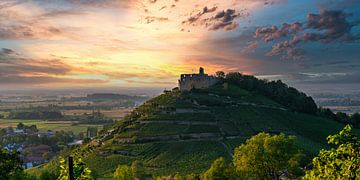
(147,43)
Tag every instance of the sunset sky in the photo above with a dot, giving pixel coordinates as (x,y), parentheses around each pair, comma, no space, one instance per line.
(148,43)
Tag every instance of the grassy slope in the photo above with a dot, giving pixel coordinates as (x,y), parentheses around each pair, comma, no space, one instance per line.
(230,116)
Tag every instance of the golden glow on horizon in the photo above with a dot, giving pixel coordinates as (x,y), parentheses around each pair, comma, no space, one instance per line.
(117,46)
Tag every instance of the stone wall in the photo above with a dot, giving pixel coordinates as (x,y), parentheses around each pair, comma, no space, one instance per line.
(196,81)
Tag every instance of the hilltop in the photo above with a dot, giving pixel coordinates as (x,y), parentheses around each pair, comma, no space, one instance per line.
(185,131)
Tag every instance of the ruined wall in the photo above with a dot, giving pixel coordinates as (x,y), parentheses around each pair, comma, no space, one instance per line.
(190,81)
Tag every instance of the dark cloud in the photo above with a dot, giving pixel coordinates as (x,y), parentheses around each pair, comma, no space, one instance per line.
(329,26)
(273,32)
(220,20)
(338,4)
(6,51)
(335,25)
(224,20)
(194,18)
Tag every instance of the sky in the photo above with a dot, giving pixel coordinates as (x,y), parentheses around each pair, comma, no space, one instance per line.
(56,44)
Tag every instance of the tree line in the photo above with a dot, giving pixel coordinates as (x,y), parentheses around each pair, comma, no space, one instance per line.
(275,90)
(287,96)
(37,114)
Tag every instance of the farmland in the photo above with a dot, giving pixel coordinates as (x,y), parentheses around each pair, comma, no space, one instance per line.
(43,125)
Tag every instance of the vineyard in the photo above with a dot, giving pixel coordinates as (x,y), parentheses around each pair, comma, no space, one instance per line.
(185,132)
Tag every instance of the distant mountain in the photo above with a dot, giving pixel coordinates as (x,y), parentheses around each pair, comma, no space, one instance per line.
(185,131)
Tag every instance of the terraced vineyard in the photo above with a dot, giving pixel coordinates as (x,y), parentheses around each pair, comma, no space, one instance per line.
(184,132)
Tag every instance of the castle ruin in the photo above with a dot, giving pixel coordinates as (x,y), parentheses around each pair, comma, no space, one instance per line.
(196,81)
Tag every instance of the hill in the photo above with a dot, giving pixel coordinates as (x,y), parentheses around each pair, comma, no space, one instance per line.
(186,131)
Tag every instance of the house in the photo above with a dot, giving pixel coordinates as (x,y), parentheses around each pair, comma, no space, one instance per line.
(19,131)
(35,155)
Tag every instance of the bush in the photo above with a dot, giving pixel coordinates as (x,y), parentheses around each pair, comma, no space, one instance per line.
(217,171)
(123,172)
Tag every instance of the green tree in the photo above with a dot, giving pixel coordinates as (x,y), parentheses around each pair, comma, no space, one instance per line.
(340,163)
(217,171)
(220,74)
(137,167)
(20,126)
(268,157)
(123,172)
(81,172)
(10,164)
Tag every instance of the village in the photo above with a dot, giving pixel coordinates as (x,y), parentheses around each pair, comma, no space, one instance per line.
(36,147)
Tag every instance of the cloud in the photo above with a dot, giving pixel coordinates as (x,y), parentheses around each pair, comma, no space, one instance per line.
(335,25)
(17,65)
(6,51)
(338,4)
(103,3)
(37,80)
(329,26)
(150,19)
(196,17)
(327,78)
(273,32)
(28,32)
(12,64)
(224,19)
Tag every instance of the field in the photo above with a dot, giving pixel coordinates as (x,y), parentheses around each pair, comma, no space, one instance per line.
(117,113)
(43,126)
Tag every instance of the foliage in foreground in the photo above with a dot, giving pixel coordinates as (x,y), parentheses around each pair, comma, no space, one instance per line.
(10,164)
(264,156)
(268,157)
(340,163)
(123,172)
(81,172)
